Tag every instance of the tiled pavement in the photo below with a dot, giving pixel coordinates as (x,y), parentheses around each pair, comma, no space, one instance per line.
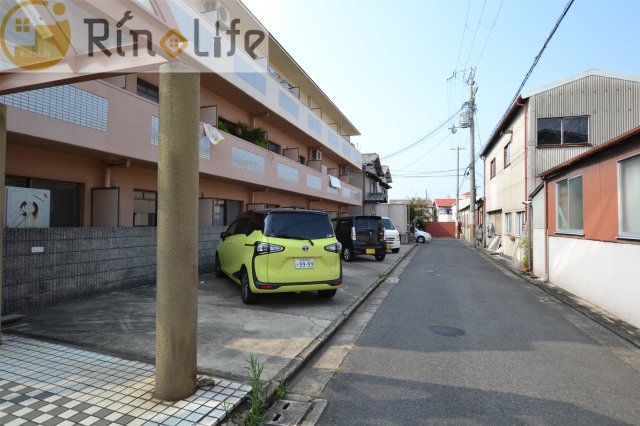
(48,384)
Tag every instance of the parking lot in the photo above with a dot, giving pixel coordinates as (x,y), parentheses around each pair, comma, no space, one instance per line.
(277,329)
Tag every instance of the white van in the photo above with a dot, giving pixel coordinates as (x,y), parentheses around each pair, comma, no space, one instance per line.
(391,235)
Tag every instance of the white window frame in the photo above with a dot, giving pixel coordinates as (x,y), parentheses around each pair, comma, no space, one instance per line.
(569,231)
(519,223)
(621,233)
(507,224)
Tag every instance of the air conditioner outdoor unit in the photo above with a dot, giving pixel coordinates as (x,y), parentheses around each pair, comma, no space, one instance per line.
(316,155)
(216,11)
(344,171)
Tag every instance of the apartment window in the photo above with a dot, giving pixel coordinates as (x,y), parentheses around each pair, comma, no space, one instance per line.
(563,131)
(493,168)
(148,91)
(273,147)
(226,211)
(629,197)
(507,223)
(145,208)
(519,224)
(65,206)
(569,206)
(507,154)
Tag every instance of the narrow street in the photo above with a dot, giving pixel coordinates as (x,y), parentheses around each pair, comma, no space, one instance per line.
(457,341)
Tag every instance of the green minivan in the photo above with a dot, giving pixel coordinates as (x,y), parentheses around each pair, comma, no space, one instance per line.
(280,251)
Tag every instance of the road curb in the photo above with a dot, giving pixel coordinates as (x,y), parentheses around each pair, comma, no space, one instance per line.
(615,325)
(312,348)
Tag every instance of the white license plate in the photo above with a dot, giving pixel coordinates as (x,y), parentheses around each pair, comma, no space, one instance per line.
(305,263)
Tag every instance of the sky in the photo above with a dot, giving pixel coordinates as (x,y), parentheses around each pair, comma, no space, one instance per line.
(387,64)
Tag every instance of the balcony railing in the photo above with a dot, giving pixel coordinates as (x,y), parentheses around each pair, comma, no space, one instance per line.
(378,197)
(114,129)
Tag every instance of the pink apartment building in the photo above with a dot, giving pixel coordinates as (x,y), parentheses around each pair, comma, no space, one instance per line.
(93,145)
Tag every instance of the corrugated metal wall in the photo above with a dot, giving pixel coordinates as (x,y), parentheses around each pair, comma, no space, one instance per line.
(613,107)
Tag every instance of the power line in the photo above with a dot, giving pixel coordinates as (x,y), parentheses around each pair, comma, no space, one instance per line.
(464,33)
(490,31)
(429,135)
(428,152)
(537,58)
(475,35)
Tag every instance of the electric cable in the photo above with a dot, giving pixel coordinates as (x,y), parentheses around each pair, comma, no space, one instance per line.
(429,135)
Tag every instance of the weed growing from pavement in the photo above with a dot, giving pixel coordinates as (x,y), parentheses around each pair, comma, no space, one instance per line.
(255,414)
(281,390)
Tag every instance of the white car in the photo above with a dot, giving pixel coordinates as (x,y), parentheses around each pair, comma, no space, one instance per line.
(422,236)
(391,235)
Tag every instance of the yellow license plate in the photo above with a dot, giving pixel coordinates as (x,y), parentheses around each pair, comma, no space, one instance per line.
(371,251)
(389,246)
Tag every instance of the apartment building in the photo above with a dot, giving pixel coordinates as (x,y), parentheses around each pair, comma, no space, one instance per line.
(94,146)
(544,128)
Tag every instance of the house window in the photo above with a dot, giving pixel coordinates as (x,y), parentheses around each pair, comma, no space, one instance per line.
(226,211)
(145,208)
(493,168)
(569,206)
(507,155)
(563,131)
(65,206)
(629,197)
(519,224)
(148,91)
(507,223)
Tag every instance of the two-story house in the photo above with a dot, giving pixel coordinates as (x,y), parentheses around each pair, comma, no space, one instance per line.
(374,179)
(543,129)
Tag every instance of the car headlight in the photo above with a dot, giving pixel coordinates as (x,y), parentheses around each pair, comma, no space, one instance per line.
(266,248)
(334,248)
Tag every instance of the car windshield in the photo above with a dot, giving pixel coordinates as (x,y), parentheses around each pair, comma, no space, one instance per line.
(367,223)
(388,225)
(300,226)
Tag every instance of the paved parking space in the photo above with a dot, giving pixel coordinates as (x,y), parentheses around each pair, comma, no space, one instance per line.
(50,384)
(277,329)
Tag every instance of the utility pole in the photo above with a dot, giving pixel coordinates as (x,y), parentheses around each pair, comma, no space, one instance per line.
(458,149)
(472,166)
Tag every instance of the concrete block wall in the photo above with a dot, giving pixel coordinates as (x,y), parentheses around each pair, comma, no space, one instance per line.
(46,267)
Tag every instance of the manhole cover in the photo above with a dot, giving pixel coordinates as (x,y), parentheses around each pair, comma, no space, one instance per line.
(284,413)
(447,331)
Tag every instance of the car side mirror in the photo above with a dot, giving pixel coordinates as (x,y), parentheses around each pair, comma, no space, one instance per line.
(224,235)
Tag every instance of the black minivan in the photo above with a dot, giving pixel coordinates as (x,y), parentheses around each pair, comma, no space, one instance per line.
(361,235)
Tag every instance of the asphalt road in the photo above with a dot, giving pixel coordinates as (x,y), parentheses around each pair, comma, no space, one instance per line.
(509,355)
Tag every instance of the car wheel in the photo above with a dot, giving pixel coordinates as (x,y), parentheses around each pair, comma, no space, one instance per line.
(248,297)
(396,251)
(216,267)
(327,294)
(380,257)
(420,239)
(347,254)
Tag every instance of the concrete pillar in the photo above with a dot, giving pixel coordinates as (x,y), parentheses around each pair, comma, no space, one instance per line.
(177,281)
(3,159)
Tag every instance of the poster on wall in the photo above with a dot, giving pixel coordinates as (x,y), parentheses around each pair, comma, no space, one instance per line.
(27,207)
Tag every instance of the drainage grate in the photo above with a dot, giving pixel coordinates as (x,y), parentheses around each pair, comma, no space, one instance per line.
(447,331)
(283,413)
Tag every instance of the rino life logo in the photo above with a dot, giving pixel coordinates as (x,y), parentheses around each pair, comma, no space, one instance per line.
(173,43)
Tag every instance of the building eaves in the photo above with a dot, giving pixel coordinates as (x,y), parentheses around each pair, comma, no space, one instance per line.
(504,123)
(620,139)
(585,74)
(524,96)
